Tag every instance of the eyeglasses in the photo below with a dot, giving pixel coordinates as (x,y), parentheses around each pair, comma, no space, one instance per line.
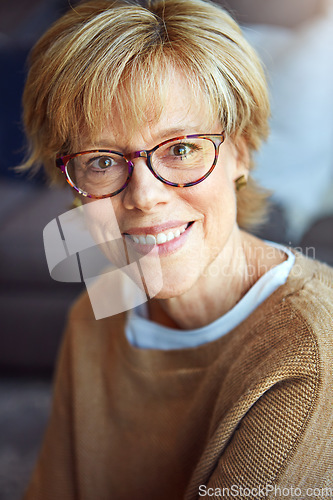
(180,162)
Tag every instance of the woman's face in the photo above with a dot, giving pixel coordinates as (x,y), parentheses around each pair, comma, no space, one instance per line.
(202,218)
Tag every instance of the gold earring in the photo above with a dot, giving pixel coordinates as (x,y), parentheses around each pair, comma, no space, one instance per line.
(240,182)
(77,202)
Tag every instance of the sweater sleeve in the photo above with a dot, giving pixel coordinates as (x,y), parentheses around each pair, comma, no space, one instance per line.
(284,440)
(54,474)
(277,450)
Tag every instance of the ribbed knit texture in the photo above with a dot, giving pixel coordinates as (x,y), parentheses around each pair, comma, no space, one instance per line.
(251,408)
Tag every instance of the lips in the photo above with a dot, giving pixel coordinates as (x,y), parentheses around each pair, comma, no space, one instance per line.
(155,237)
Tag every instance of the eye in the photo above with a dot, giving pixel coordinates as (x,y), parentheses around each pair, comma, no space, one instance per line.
(180,149)
(102,163)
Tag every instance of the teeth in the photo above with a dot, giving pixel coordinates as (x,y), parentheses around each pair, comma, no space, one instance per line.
(159,238)
(150,239)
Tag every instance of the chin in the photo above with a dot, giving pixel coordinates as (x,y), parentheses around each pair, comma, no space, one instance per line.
(165,294)
(175,284)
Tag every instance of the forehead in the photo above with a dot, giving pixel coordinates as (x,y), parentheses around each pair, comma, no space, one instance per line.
(177,106)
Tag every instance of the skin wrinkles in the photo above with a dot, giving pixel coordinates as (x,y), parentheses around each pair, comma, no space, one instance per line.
(217,264)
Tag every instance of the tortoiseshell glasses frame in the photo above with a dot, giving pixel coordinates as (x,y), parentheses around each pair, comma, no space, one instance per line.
(63,160)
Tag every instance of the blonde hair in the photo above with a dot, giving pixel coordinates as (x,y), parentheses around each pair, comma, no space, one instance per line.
(105,53)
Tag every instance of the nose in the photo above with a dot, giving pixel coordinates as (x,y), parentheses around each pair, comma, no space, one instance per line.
(144,190)
(137,154)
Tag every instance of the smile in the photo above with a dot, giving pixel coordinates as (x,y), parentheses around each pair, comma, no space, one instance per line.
(159,238)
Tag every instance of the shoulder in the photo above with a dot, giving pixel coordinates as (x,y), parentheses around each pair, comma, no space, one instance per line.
(315,275)
(302,309)
(290,335)
(82,312)
(309,293)
(309,302)
(312,304)
(280,371)
(85,334)
(82,309)
(299,322)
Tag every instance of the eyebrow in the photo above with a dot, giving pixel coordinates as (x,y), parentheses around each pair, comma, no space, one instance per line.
(173,132)
(166,134)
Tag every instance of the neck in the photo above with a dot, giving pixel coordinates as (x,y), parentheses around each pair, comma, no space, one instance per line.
(223,283)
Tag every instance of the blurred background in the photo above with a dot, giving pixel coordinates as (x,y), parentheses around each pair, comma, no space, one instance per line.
(294,39)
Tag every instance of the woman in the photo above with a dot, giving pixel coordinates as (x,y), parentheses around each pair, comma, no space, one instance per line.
(219,385)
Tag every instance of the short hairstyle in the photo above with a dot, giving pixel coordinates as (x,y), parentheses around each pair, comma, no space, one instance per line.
(104,53)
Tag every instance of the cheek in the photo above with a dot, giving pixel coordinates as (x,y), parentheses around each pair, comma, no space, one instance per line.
(216,201)
(100,217)
(101,222)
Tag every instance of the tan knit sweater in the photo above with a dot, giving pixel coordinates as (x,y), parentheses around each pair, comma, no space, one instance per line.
(235,418)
